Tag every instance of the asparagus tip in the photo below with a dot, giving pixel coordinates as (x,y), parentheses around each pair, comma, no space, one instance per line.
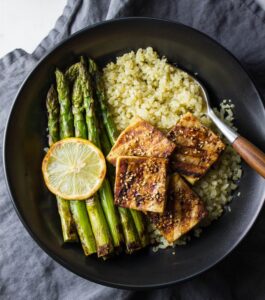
(51,95)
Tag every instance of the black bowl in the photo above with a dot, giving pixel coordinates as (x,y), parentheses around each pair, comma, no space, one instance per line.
(25,140)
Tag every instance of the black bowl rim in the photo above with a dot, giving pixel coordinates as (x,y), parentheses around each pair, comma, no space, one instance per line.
(20,215)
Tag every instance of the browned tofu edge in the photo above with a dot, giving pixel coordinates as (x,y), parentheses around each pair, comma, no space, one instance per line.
(192,173)
(120,185)
(112,156)
(171,224)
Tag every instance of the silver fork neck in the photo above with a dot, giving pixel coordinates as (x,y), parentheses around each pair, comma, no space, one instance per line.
(229,133)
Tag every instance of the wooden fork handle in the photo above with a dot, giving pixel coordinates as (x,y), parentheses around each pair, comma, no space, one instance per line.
(253,156)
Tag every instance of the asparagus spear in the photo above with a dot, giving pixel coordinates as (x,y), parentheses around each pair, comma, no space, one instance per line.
(78,110)
(141,226)
(72,72)
(78,208)
(131,237)
(67,130)
(100,93)
(52,105)
(106,147)
(113,135)
(67,223)
(100,229)
(106,196)
(66,116)
(132,241)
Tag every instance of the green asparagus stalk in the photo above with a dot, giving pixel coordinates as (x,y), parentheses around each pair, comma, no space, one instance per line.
(113,134)
(72,72)
(67,130)
(78,111)
(132,241)
(78,208)
(106,196)
(130,234)
(141,226)
(100,93)
(53,109)
(66,116)
(106,147)
(67,222)
(83,226)
(95,212)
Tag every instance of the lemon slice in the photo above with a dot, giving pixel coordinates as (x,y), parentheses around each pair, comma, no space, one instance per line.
(74,169)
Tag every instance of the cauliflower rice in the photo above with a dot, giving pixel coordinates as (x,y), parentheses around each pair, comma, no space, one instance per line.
(140,83)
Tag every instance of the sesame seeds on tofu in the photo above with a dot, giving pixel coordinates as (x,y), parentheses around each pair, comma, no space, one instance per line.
(141,139)
(197,148)
(141,183)
(183,211)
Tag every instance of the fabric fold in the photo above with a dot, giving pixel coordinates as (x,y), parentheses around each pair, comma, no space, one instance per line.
(27,272)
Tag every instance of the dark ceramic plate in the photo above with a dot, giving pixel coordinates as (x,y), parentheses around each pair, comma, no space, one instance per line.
(26,133)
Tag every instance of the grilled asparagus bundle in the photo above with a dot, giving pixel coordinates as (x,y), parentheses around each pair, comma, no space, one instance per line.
(100,225)
(67,129)
(112,135)
(67,222)
(131,237)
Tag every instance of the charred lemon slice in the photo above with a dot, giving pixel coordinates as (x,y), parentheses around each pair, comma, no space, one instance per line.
(74,169)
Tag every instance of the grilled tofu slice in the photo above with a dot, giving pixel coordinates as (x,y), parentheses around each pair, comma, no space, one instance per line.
(197,148)
(141,183)
(184,210)
(141,139)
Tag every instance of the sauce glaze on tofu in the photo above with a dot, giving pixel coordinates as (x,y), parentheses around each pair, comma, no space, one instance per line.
(197,148)
(141,139)
(141,183)
(184,210)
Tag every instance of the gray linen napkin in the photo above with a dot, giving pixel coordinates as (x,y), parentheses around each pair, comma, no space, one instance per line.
(26,272)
